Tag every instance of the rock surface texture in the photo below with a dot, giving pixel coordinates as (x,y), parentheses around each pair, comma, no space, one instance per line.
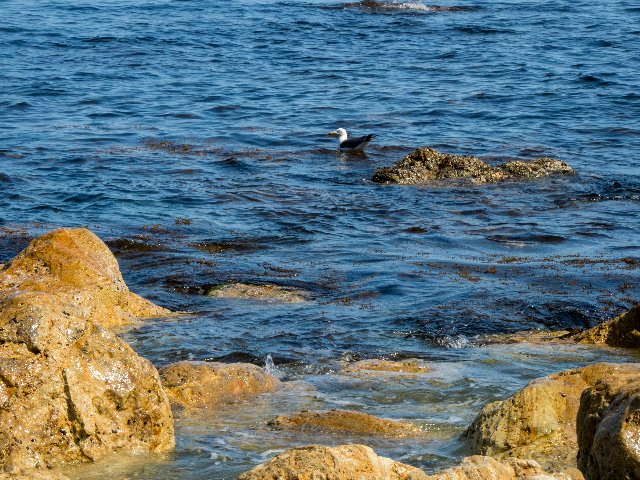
(345,421)
(425,165)
(622,331)
(206,384)
(479,467)
(249,291)
(609,428)
(70,390)
(539,421)
(390,366)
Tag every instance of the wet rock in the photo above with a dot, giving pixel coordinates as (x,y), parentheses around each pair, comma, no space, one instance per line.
(69,389)
(609,428)
(345,421)
(539,421)
(341,462)
(425,165)
(479,467)
(622,331)
(257,292)
(33,475)
(206,384)
(76,260)
(390,366)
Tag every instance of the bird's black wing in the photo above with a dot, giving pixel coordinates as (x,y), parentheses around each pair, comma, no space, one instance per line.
(354,142)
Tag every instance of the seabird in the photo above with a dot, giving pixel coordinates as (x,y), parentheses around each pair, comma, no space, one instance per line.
(357,144)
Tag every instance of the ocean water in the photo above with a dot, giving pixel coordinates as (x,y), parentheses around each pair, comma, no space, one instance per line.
(191,136)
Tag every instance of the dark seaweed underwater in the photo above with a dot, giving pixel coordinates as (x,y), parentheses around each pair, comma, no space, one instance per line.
(191,136)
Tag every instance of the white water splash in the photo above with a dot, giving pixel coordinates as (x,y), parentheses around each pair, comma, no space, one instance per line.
(269,366)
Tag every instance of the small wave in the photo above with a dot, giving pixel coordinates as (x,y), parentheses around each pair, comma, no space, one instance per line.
(412,6)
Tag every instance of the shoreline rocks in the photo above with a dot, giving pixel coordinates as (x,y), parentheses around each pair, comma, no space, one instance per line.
(207,384)
(372,366)
(622,331)
(426,165)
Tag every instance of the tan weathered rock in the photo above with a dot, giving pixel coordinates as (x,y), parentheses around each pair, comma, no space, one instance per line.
(317,462)
(425,165)
(622,331)
(346,421)
(206,384)
(377,365)
(539,421)
(34,474)
(69,389)
(480,467)
(76,260)
(609,428)
(258,292)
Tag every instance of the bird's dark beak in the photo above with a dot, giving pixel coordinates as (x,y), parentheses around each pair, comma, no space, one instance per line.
(334,133)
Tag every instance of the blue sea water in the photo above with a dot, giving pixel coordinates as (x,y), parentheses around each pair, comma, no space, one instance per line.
(191,136)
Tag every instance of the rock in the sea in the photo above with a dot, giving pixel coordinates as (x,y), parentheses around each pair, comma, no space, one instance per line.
(390,366)
(206,384)
(345,421)
(317,462)
(622,331)
(33,474)
(70,390)
(539,421)
(425,165)
(480,467)
(609,428)
(76,260)
(257,292)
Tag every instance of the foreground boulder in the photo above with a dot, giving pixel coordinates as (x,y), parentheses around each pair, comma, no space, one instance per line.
(425,165)
(70,390)
(206,384)
(622,331)
(539,421)
(345,421)
(324,463)
(479,467)
(609,429)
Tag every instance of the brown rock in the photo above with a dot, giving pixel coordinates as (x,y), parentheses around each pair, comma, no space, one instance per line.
(258,292)
(622,331)
(206,384)
(539,421)
(376,365)
(609,428)
(69,389)
(317,462)
(33,475)
(480,468)
(425,165)
(346,421)
(76,260)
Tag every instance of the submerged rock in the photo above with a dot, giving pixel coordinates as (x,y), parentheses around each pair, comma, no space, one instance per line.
(70,390)
(609,428)
(425,165)
(622,331)
(346,421)
(539,421)
(257,292)
(390,366)
(341,462)
(206,384)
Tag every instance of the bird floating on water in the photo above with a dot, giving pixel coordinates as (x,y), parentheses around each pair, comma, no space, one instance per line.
(356,144)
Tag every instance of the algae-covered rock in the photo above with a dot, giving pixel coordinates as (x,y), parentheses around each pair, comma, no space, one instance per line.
(539,421)
(426,165)
(622,331)
(69,389)
(609,428)
(371,366)
(345,421)
(317,462)
(257,292)
(206,384)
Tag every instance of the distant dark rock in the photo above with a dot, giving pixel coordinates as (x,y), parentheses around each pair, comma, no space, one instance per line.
(425,165)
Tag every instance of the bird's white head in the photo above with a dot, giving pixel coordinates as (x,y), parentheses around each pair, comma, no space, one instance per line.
(341,133)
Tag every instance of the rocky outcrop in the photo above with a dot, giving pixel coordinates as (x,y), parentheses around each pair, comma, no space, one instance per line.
(76,260)
(609,428)
(539,421)
(345,421)
(342,462)
(70,390)
(33,475)
(257,292)
(622,331)
(391,366)
(206,384)
(480,467)
(425,165)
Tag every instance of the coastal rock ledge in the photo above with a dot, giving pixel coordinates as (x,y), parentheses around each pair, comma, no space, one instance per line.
(425,165)
(71,390)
